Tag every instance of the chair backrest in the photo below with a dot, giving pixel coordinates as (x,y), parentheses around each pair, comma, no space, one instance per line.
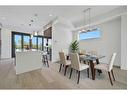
(62,58)
(111,61)
(75,62)
(93,52)
(82,51)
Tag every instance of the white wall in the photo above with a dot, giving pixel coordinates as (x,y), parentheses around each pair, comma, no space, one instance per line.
(124,42)
(109,41)
(61,38)
(6,43)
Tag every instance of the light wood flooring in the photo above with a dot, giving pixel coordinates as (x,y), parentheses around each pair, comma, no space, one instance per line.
(50,78)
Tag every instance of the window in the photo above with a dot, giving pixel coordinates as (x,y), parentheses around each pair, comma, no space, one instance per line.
(26,42)
(89,35)
(18,42)
(34,43)
(45,44)
(22,41)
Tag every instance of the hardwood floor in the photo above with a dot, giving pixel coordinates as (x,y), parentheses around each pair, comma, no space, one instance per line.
(51,78)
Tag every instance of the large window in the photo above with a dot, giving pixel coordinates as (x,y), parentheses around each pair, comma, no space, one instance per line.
(22,41)
(89,35)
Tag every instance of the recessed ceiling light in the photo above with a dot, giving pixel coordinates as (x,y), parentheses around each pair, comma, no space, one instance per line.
(22,24)
(3,18)
(83,29)
(14,25)
(50,15)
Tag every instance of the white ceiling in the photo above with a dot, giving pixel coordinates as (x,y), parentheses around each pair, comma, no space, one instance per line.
(19,17)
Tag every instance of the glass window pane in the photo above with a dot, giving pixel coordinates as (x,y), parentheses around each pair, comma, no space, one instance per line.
(26,42)
(18,40)
(49,43)
(90,35)
(45,43)
(34,43)
(39,43)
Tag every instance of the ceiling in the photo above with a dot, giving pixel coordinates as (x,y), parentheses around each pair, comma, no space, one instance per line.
(19,17)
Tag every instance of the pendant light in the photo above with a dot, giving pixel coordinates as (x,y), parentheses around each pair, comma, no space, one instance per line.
(87,21)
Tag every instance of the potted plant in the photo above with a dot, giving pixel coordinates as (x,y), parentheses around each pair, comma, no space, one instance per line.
(74,46)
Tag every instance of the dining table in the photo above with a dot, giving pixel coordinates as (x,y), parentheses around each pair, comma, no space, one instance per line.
(91,59)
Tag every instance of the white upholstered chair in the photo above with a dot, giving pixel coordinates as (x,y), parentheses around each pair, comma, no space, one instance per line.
(63,62)
(75,64)
(107,67)
(83,52)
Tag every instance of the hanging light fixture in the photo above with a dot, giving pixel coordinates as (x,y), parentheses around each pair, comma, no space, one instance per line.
(87,21)
(36,33)
(32,21)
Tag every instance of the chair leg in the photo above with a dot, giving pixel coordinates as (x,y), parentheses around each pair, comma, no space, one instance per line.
(94,74)
(113,75)
(44,63)
(65,70)
(60,67)
(47,61)
(77,71)
(110,78)
(78,77)
(71,73)
(88,72)
(99,73)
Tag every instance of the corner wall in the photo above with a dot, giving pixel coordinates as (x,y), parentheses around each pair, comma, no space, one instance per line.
(124,42)
(61,38)
(5,43)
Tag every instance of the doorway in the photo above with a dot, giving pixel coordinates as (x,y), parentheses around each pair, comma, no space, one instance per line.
(48,46)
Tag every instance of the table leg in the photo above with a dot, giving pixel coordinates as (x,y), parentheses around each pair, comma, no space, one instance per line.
(92,69)
(97,60)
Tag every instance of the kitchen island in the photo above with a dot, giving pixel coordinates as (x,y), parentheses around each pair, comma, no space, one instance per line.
(28,61)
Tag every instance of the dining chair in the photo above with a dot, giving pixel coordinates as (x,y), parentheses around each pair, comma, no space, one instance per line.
(93,52)
(107,67)
(63,62)
(77,65)
(83,52)
(45,58)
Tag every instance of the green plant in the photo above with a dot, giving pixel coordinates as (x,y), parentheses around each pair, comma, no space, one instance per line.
(74,46)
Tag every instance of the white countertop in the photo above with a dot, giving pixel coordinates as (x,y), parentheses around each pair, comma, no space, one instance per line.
(26,51)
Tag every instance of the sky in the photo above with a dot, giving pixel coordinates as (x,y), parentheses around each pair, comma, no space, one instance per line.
(90,35)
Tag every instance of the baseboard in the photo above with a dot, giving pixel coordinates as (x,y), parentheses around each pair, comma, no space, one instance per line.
(116,66)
